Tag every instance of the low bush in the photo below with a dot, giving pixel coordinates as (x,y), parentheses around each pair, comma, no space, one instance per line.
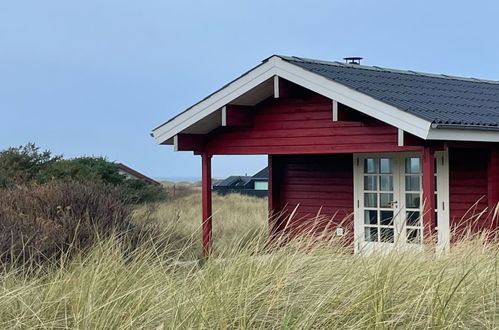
(28,165)
(41,222)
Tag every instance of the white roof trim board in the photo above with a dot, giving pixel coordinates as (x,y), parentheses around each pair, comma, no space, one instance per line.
(276,66)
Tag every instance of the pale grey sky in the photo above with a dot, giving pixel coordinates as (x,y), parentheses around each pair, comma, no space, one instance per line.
(94,77)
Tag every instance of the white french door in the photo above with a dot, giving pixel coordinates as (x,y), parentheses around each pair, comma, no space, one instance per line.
(388,201)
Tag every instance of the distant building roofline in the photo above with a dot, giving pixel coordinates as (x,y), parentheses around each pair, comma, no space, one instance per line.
(137,174)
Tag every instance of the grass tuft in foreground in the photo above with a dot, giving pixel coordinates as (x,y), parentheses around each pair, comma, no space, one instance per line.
(253,285)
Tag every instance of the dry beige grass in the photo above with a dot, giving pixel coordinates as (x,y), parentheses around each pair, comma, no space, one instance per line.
(237,219)
(292,287)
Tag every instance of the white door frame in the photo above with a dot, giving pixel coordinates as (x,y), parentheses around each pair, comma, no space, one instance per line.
(442,207)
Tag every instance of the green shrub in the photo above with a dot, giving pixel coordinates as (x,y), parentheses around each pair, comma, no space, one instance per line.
(27,165)
(98,169)
(86,169)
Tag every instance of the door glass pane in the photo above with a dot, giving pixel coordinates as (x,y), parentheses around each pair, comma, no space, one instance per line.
(386,218)
(385,200)
(412,218)
(412,165)
(371,217)
(370,182)
(386,235)
(413,236)
(370,165)
(386,183)
(412,201)
(412,183)
(371,234)
(370,200)
(385,165)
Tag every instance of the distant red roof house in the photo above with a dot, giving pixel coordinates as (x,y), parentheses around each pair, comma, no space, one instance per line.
(131,173)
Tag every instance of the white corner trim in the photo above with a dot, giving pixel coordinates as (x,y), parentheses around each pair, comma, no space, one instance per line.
(443,207)
(400,137)
(276,87)
(451,134)
(335,110)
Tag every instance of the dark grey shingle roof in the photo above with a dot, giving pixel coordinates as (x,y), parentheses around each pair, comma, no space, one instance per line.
(233,180)
(441,99)
(262,174)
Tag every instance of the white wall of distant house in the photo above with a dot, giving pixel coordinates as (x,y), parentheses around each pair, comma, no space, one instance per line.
(261,185)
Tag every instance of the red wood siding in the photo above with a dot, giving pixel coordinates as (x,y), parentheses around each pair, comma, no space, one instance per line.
(468,183)
(315,184)
(303,126)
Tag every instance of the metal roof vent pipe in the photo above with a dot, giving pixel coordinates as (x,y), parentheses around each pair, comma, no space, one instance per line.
(352,60)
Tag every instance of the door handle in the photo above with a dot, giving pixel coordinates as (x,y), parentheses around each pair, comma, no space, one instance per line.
(392,203)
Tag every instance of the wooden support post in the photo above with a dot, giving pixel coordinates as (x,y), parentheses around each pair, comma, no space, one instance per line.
(493,179)
(272,197)
(429,220)
(206,201)
(270,189)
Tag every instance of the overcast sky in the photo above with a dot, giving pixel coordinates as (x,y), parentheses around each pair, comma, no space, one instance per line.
(94,77)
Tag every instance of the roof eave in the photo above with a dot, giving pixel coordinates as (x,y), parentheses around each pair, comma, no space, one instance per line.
(472,133)
(278,66)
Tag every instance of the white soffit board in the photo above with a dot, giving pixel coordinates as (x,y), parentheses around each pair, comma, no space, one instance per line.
(463,135)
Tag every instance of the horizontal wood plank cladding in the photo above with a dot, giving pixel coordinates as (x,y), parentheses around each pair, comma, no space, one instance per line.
(302,126)
(467,189)
(312,185)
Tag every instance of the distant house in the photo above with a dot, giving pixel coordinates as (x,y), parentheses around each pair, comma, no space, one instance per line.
(256,185)
(133,174)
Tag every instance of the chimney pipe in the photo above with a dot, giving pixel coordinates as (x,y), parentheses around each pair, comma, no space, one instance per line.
(352,60)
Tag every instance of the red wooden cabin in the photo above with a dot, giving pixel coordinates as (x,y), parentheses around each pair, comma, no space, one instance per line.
(390,156)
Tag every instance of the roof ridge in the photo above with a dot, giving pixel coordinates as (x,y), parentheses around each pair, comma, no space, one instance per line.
(379,68)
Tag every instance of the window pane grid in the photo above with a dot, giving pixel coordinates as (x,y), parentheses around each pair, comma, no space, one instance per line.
(378,194)
(413,223)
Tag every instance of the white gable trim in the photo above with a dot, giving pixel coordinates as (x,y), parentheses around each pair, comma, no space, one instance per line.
(215,101)
(277,67)
(361,102)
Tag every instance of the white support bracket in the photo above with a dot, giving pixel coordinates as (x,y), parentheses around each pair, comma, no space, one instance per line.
(276,87)
(400,137)
(335,110)
(224,115)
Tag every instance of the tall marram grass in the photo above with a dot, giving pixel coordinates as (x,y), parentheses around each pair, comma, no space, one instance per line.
(307,283)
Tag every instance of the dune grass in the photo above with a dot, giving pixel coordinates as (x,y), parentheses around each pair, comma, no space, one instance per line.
(251,284)
(237,220)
